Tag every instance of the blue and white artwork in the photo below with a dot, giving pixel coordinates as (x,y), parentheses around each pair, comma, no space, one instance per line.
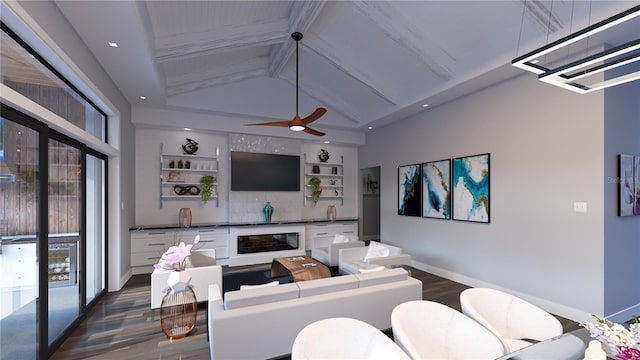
(436,189)
(471,188)
(409,190)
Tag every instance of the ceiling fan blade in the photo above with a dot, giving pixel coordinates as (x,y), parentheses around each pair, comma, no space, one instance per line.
(274,123)
(311,131)
(314,116)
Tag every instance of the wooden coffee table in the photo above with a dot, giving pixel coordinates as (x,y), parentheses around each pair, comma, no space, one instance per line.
(299,267)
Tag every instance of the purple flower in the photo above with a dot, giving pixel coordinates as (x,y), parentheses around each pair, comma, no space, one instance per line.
(627,353)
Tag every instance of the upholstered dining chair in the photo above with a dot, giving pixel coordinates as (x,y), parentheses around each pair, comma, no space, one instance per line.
(344,338)
(516,322)
(430,330)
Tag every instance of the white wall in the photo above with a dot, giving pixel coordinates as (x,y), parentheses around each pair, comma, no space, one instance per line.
(622,234)
(547,149)
(234,206)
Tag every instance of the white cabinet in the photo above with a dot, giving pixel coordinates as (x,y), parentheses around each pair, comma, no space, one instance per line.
(217,239)
(180,176)
(147,246)
(347,228)
(331,177)
(18,263)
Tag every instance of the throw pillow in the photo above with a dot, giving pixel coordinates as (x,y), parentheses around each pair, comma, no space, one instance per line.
(247,287)
(376,250)
(339,238)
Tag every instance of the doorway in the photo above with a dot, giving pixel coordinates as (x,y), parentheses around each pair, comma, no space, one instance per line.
(370,190)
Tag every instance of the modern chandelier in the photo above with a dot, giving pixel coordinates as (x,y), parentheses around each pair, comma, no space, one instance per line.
(611,45)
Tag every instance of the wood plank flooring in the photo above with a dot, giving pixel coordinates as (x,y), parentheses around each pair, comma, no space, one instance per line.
(123,326)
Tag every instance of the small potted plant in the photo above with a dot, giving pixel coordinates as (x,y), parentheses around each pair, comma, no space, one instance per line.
(172,164)
(206,182)
(187,165)
(180,164)
(316,190)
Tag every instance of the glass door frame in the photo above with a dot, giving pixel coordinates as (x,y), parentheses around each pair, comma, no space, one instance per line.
(44,350)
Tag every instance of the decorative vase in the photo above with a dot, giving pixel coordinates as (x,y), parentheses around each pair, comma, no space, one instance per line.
(184,217)
(267,210)
(178,281)
(315,169)
(331,213)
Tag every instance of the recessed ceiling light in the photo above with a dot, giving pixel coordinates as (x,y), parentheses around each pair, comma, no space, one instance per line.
(326,141)
(369,127)
(112,44)
(188,129)
(143,98)
(425,105)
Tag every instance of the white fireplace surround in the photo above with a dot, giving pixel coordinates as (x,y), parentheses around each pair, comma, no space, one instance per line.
(236,259)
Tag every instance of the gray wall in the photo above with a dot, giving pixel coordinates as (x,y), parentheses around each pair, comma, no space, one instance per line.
(547,152)
(622,234)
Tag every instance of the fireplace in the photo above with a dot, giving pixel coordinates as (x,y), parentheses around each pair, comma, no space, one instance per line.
(251,244)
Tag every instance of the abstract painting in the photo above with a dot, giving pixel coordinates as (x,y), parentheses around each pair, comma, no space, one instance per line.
(636,171)
(409,190)
(627,189)
(436,189)
(471,188)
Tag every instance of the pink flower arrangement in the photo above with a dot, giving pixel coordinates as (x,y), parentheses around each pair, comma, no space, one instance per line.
(618,341)
(175,258)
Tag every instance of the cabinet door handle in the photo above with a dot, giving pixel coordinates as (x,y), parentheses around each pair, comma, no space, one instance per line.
(322,233)
(207,241)
(347,232)
(203,231)
(157,233)
(151,258)
(156,244)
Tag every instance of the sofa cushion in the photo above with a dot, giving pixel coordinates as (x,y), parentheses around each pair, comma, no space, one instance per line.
(382,277)
(249,287)
(327,285)
(376,250)
(238,299)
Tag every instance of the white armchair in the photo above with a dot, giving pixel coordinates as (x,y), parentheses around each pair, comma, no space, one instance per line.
(430,330)
(326,248)
(516,322)
(370,258)
(344,338)
(203,271)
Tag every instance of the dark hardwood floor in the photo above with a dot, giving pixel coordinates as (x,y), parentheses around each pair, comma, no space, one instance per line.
(123,326)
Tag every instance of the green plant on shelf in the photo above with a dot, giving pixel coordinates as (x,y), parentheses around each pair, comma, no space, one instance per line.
(316,189)
(206,182)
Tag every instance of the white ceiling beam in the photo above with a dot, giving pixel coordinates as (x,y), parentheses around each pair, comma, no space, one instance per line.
(301,16)
(232,37)
(324,96)
(229,74)
(399,28)
(334,56)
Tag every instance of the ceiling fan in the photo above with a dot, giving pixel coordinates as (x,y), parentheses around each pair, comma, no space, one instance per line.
(298,124)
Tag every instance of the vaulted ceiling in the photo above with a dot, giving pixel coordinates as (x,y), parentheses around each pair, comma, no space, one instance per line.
(368,62)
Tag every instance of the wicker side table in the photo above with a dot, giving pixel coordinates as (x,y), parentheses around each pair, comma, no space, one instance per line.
(178,313)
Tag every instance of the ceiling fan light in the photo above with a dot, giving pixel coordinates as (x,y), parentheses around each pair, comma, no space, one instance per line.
(296,127)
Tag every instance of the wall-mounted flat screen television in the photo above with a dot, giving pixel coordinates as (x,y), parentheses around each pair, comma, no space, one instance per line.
(264,172)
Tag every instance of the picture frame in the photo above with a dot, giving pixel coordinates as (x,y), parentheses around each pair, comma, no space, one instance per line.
(409,190)
(436,189)
(471,177)
(627,185)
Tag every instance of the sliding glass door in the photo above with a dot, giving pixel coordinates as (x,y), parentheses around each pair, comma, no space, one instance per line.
(96,232)
(19,240)
(64,245)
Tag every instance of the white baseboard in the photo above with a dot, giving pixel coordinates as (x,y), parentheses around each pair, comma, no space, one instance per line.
(552,307)
(625,315)
(123,280)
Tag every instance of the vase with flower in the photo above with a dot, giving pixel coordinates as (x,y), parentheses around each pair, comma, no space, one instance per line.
(618,341)
(177,258)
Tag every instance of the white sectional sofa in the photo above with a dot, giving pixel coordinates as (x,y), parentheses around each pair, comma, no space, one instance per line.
(262,323)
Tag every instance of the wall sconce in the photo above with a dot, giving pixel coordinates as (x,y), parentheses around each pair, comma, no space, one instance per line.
(576,62)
